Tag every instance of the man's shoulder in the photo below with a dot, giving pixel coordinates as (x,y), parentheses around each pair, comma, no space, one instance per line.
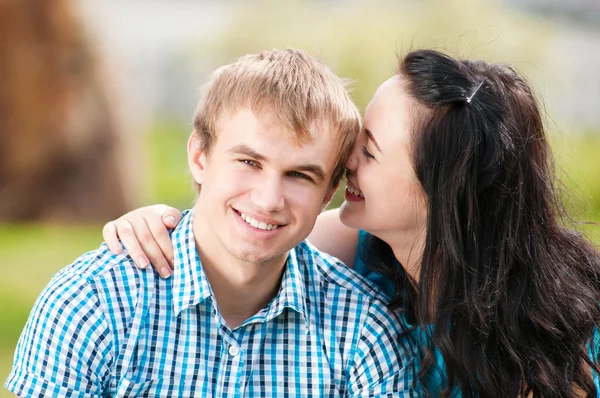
(334,273)
(76,319)
(99,275)
(101,265)
(341,293)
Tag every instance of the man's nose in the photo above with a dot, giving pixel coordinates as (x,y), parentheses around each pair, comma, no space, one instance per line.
(353,159)
(268,195)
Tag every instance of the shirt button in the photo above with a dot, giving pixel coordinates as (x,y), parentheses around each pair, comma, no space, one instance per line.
(234,350)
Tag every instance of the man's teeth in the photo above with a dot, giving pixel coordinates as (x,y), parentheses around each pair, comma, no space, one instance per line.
(258,224)
(354,192)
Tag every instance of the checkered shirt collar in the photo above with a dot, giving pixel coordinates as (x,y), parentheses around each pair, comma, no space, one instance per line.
(191,287)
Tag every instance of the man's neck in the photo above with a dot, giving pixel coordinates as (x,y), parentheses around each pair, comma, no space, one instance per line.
(241,289)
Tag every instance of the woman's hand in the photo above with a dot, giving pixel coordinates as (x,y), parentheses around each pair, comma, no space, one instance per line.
(144,234)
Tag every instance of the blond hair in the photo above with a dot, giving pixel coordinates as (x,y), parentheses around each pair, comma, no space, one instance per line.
(294,87)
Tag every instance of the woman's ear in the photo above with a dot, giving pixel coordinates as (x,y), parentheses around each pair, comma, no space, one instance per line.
(196,157)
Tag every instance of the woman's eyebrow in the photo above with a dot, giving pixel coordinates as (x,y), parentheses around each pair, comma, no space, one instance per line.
(370,135)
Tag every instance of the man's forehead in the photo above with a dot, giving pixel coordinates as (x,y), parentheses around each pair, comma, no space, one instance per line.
(283,149)
(267,136)
(270,117)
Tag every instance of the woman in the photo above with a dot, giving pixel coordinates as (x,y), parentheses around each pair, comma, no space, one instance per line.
(451,178)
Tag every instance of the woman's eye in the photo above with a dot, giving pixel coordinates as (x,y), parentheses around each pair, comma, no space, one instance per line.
(249,162)
(366,152)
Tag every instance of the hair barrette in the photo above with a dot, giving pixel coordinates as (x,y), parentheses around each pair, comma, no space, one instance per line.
(470,97)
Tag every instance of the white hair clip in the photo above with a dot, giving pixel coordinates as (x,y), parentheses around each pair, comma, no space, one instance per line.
(470,97)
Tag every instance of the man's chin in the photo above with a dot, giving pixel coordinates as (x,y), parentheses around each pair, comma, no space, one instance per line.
(262,252)
(255,256)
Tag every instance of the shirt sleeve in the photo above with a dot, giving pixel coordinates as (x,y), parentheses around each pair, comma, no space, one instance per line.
(65,348)
(384,283)
(383,364)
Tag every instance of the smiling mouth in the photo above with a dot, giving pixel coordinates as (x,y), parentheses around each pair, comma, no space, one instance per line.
(354,191)
(262,225)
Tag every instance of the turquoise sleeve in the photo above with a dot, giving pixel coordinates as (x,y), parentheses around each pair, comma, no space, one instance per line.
(360,265)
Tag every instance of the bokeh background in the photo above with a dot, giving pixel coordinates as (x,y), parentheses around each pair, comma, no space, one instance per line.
(96,99)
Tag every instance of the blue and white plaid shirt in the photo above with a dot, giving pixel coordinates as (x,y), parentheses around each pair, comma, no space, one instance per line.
(104,328)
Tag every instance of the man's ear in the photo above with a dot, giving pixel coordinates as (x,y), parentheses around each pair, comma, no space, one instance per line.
(329,195)
(196,157)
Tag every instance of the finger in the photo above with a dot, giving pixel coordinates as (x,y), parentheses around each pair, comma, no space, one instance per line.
(162,238)
(149,246)
(109,233)
(130,242)
(171,217)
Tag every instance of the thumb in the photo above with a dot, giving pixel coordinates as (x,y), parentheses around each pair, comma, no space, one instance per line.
(171,217)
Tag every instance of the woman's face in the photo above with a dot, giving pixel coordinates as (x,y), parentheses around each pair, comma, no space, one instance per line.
(383,194)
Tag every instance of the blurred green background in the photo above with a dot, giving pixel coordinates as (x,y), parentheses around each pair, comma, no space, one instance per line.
(160,52)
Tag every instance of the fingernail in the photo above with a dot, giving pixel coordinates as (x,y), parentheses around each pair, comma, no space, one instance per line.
(165,273)
(170,220)
(142,262)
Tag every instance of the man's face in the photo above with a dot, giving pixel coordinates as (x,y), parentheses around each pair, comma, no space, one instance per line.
(261,191)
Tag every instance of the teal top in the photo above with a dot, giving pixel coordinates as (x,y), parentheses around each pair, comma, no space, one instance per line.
(436,379)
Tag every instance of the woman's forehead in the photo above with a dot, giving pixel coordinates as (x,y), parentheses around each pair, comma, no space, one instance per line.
(388,115)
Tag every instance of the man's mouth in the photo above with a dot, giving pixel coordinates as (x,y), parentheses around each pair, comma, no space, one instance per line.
(265,225)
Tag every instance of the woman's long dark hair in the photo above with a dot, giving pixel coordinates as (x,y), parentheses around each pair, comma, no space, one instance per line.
(512,293)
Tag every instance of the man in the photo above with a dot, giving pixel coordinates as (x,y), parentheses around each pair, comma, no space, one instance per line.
(251,310)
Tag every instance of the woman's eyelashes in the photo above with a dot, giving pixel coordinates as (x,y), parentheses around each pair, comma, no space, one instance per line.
(366,152)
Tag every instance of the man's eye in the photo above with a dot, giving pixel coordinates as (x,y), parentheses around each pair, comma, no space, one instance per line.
(366,152)
(300,175)
(249,162)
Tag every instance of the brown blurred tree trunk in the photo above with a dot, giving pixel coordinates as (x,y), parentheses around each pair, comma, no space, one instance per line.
(58,136)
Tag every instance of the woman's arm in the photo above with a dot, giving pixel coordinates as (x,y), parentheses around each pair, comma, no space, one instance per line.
(144,234)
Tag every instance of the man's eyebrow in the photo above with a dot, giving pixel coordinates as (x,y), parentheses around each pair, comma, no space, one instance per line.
(370,135)
(243,149)
(314,169)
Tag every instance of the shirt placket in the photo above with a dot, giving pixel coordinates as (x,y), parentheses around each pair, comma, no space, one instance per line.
(231,362)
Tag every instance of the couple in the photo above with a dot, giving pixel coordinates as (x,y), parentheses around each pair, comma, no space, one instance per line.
(464,281)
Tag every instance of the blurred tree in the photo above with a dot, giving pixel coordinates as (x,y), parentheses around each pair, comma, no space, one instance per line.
(58,135)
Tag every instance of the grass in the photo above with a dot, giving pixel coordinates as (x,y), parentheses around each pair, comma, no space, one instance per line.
(30,254)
